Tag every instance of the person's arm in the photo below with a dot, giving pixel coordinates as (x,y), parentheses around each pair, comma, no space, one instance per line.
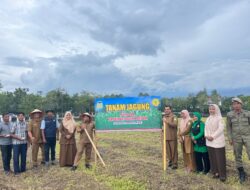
(78,128)
(229,130)
(187,129)
(30,132)
(42,128)
(219,131)
(174,122)
(206,134)
(57,130)
(201,133)
(1,135)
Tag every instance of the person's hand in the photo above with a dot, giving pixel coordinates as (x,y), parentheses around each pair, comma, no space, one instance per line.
(180,140)
(231,142)
(68,136)
(83,127)
(44,141)
(210,138)
(33,139)
(164,119)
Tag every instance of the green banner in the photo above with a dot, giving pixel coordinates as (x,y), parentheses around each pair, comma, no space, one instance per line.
(129,113)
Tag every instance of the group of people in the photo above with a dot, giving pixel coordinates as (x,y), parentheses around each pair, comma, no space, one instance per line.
(203,144)
(42,132)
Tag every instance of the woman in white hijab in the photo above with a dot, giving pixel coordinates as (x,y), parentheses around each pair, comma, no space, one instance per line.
(215,141)
(186,141)
(67,140)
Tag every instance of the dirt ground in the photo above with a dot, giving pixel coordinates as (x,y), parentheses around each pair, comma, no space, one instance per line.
(134,161)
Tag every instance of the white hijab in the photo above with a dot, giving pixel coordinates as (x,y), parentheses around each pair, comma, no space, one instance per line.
(212,122)
(69,124)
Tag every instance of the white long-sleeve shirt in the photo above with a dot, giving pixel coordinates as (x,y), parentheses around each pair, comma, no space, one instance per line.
(215,128)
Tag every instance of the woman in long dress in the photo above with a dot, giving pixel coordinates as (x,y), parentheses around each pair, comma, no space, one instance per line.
(215,141)
(186,141)
(67,140)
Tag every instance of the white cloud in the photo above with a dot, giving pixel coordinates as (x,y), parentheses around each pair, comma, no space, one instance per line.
(112,46)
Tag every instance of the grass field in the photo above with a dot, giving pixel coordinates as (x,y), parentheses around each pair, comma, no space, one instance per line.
(134,162)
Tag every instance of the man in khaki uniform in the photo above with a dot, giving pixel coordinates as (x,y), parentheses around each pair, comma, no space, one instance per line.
(238,129)
(35,136)
(84,142)
(171,122)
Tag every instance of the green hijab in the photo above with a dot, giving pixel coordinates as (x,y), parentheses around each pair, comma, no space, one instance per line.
(199,116)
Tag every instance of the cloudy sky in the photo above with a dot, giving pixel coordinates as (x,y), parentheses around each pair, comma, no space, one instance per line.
(163,47)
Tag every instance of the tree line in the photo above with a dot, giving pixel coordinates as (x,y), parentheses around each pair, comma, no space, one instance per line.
(21,99)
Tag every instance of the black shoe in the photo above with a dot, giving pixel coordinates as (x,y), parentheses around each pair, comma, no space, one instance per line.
(170,164)
(215,176)
(42,162)
(88,166)
(174,167)
(222,179)
(73,168)
(242,175)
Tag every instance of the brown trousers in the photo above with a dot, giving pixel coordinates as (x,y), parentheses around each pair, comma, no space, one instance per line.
(217,157)
(35,149)
(172,152)
(189,161)
(87,147)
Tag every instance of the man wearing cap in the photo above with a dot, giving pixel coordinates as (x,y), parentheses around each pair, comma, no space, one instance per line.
(84,142)
(171,122)
(35,135)
(5,142)
(50,134)
(238,130)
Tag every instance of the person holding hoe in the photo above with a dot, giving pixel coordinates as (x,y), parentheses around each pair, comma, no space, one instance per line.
(87,126)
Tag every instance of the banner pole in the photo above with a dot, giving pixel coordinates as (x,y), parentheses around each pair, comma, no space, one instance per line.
(164,151)
(97,152)
(95,141)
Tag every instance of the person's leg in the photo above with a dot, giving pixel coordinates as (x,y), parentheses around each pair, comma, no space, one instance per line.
(206,162)
(174,150)
(46,150)
(53,150)
(35,148)
(168,153)
(9,155)
(212,159)
(4,157)
(221,162)
(41,145)
(198,161)
(247,145)
(79,153)
(16,153)
(88,150)
(23,157)
(237,146)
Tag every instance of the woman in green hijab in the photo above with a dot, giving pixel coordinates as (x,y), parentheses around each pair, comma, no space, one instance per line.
(200,149)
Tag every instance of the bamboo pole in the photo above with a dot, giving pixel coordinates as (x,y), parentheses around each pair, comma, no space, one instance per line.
(95,141)
(97,152)
(164,153)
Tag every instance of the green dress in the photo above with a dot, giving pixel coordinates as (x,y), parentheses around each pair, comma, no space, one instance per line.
(200,126)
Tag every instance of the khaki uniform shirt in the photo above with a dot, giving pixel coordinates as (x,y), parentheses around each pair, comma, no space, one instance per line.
(171,127)
(90,129)
(34,128)
(238,125)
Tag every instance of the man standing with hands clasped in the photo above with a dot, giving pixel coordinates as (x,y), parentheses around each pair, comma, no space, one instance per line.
(50,134)
(84,142)
(171,122)
(238,130)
